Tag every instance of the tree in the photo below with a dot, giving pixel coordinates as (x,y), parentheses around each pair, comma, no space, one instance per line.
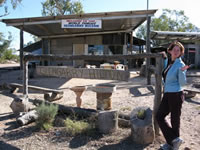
(4,4)
(169,20)
(61,7)
(4,43)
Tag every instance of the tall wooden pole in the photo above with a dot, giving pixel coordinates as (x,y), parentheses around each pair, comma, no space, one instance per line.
(21,47)
(148,51)
(158,91)
(25,78)
(125,47)
(148,75)
(131,41)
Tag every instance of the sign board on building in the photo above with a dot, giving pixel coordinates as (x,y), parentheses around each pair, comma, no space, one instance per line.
(81,23)
(69,72)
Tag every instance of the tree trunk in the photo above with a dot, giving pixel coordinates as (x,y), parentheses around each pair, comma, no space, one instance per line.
(27,118)
(123,121)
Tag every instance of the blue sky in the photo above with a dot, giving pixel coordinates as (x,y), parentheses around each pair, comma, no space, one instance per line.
(32,8)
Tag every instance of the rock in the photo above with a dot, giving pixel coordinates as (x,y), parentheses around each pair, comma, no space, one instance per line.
(20,104)
(142,130)
(107,121)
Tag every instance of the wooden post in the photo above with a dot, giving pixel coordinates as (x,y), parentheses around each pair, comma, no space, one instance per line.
(158,91)
(125,48)
(131,42)
(21,47)
(49,50)
(148,51)
(25,78)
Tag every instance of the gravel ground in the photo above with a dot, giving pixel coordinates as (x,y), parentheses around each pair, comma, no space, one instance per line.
(128,96)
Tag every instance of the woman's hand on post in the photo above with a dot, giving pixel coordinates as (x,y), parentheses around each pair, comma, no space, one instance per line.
(164,55)
(185,68)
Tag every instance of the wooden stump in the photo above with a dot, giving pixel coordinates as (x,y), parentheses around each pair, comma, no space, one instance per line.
(107,121)
(27,118)
(20,104)
(142,131)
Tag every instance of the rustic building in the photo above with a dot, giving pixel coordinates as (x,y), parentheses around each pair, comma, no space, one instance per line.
(85,34)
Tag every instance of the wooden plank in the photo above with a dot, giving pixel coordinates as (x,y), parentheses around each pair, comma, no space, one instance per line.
(41,89)
(89,57)
(69,72)
(193,90)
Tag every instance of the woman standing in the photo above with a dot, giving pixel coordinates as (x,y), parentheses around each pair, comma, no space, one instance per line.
(174,76)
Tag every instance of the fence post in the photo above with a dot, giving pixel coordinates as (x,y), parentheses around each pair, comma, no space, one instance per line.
(158,91)
(25,78)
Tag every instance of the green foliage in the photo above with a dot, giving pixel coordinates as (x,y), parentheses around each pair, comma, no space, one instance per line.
(169,20)
(74,127)
(46,115)
(5,52)
(5,3)
(8,55)
(61,7)
(4,43)
(141,114)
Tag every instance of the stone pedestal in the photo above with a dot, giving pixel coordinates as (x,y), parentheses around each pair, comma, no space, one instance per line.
(142,131)
(107,121)
(104,101)
(78,90)
(104,93)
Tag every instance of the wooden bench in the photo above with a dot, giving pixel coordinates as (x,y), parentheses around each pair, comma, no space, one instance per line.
(49,94)
(191,92)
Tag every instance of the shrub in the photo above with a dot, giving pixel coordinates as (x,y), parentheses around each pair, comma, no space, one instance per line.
(46,115)
(141,114)
(74,127)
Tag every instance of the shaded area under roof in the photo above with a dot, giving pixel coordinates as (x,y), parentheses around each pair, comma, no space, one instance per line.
(112,22)
(168,35)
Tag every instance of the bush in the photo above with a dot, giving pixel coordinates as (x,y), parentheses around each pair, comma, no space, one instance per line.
(46,115)
(141,114)
(74,127)
(8,55)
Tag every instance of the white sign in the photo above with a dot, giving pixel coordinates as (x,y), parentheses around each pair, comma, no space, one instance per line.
(81,23)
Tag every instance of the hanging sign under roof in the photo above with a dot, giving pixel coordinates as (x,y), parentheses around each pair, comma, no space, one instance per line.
(82,23)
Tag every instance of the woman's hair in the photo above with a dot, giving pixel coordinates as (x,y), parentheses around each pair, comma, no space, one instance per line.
(176,43)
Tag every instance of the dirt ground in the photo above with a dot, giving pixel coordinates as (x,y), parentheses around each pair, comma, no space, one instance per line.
(128,96)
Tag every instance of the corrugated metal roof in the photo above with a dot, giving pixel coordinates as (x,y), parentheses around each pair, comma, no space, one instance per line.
(168,35)
(112,22)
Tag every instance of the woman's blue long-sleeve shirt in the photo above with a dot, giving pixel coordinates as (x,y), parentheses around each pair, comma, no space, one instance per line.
(175,77)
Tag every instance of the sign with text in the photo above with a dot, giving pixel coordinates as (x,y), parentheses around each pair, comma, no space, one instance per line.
(69,72)
(82,23)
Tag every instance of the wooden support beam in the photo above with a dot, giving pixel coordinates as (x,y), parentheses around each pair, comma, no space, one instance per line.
(25,78)
(89,57)
(21,47)
(158,91)
(148,50)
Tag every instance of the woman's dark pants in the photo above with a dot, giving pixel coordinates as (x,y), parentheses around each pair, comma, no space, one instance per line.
(171,103)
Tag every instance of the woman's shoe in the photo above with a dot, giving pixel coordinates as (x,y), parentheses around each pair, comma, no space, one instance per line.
(177,143)
(166,147)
